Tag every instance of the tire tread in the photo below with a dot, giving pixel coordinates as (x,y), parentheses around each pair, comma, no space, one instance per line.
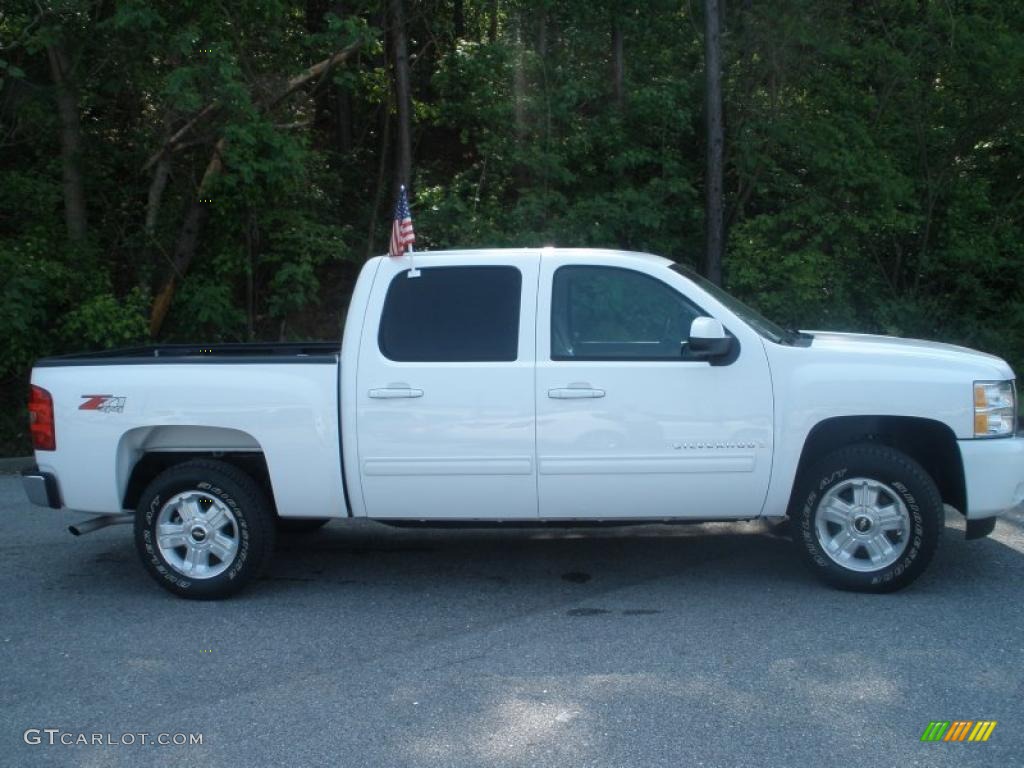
(893,462)
(258,517)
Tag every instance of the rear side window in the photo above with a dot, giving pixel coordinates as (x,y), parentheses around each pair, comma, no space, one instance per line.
(452,315)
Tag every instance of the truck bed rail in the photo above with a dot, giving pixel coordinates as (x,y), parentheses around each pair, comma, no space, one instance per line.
(258,352)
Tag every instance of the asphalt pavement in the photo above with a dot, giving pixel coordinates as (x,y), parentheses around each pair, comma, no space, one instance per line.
(365,645)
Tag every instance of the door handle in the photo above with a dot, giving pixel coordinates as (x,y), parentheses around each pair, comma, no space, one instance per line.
(395,391)
(575,391)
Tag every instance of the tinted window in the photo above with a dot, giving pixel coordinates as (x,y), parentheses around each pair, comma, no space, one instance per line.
(608,313)
(452,314)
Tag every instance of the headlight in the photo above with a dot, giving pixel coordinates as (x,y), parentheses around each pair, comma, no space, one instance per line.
(995,408)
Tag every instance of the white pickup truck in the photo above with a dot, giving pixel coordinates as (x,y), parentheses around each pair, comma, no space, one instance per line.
(553,386)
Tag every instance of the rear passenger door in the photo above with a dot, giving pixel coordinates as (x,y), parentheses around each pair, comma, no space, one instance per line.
(446,397)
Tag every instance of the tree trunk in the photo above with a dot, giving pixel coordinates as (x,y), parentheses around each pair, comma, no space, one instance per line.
(382,168)
(342,118)
(542,37)
(459,18)
(492,27)
(252,246)
(342,104)
(403,98)
(176,140)
(188,239)
(618,61)
(322,112)
(715,234)
(519,84)
(156,193)
(70,141)
(158,184)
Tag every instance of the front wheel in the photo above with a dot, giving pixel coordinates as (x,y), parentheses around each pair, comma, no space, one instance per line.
(204,529)
(867,518)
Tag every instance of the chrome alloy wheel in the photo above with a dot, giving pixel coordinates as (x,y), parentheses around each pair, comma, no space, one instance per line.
(197,535)
(863,525)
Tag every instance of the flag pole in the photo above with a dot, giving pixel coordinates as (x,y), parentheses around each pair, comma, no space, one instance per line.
(413,272)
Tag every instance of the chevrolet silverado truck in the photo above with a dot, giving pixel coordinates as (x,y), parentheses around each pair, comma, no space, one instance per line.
(531,386)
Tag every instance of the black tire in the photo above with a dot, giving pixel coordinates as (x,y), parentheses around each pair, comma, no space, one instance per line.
(903,480)
(252,528)
(300,525)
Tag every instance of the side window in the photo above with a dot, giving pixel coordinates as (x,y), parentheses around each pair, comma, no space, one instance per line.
(452,314)
(609,313)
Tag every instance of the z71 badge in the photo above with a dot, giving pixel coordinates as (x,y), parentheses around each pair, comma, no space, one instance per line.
(105,403)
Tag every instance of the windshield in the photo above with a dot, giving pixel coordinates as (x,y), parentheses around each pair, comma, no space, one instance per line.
(749,315)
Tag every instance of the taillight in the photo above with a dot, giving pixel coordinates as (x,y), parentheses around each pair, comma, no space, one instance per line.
(40,420)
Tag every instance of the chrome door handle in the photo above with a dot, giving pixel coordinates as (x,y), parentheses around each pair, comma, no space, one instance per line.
(575,391)
(395,391)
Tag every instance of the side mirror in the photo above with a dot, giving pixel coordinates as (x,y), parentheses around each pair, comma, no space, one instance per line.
(708,339)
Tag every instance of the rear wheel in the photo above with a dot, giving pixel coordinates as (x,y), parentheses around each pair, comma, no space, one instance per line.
(204,529)
(867,518)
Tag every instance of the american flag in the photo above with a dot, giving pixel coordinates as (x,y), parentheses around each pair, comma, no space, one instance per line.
(402,236)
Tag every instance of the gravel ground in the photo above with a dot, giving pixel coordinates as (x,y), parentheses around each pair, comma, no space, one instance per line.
(369,646)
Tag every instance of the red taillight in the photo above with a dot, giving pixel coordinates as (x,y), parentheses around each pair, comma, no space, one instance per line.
(40,420)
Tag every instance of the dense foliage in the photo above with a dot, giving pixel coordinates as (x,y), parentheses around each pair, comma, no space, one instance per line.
(874,157)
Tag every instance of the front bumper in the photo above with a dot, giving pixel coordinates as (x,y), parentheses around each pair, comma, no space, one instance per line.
(41,488)
(993,475)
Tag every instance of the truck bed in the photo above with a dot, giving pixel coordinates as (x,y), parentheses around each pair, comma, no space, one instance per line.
(258,352)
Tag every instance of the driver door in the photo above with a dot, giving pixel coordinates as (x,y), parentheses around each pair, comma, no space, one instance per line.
(627,426)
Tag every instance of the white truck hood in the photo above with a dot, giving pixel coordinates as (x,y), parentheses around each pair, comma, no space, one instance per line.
(984,366)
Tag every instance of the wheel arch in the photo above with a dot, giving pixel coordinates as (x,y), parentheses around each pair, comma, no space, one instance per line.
(145,452)
(931,443)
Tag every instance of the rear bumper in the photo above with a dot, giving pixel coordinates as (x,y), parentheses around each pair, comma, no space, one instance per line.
(41,488)
(993,475)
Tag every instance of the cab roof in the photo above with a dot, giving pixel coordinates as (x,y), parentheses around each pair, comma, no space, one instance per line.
(550,251)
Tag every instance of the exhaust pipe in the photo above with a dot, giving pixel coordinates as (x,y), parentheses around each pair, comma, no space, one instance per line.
(95,523)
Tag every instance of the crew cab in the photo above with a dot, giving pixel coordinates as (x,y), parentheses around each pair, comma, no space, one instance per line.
(545,386)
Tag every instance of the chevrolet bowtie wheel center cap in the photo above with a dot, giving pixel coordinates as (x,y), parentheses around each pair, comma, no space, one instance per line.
(862,523)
